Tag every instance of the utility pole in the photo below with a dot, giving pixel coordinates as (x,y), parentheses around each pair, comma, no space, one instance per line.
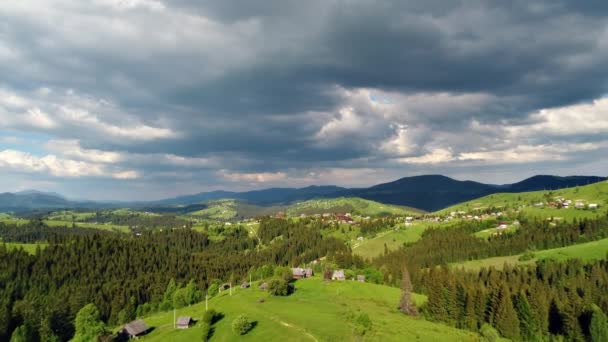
(173,318)
(231,288)
(206,302)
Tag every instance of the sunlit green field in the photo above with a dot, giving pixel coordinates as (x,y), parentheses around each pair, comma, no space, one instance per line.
(593,193)
(112,227)
(317,311)
(584,251)
(28,247)
(372,247)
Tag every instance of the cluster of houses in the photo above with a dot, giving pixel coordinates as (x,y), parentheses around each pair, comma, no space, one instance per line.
(563,203)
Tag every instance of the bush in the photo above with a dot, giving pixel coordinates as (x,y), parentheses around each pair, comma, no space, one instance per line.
(489,333)
(526,256)
(279,287)
(241,325)
(206,331)
(363,324)
(209,317)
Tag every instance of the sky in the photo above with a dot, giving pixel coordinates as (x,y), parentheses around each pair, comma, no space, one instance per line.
(147,99)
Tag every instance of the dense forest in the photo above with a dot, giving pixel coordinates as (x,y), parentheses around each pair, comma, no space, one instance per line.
(129,275)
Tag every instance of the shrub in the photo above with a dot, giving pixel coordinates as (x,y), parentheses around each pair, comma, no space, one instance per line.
(279,287)
(209,317)
(241,325)
(529,255)
(489,333)
(363,324)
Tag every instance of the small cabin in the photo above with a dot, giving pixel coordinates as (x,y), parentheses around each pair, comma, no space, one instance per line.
(361,278)
(184,322)
(338,275)
(135,329)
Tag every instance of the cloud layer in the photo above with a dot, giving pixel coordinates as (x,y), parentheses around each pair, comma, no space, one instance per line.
(136,99)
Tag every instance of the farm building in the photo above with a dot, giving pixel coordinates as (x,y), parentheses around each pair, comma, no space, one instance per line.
(338,275)
(224,286)
(361,278)
(184,322)
(134,329)
(245,285)
(264,286)
(593,205)
(344,218)
(299,273)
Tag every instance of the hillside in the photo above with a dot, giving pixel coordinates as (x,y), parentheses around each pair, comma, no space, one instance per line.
(317,311)
(231,209)
(529,202)
(426,192)
(593,250)
(356,206)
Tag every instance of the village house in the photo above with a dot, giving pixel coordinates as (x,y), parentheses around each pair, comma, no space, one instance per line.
(338,275)
(344,218)
(592,206)
(264,286)
(245,285)
(300,273)
(361,278)
(134,329)
(184,322)
(502,226)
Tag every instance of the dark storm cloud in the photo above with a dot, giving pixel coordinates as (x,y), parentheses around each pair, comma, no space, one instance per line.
(275,85)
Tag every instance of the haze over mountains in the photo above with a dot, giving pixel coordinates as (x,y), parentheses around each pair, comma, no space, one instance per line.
(426,192)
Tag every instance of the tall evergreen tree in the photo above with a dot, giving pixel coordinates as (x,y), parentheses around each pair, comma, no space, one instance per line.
(406,304)
(528,322)
(599,326)
(505,318)
(88,324)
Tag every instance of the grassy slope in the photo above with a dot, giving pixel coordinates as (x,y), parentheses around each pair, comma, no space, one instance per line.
(317,311)
(28,247)
(113,227)
(372,247)
(585,251)
(229,209)
(348,204)
(593,193)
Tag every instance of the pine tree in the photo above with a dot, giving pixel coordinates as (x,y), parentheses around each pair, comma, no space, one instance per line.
(505,318)
(406,304)
(599,326)
(528,321)
(88,324)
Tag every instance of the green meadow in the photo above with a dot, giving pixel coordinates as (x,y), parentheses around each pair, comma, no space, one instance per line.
(584,251)
(353,205)
(593,193)
(317,311)
(393,239)
(28,247)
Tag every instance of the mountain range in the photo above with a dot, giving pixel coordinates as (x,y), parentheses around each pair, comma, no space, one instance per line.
(426,192)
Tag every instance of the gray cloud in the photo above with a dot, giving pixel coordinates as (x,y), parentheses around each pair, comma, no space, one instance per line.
(273,87)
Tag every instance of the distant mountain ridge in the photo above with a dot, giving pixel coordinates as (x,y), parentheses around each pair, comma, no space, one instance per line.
(426,192)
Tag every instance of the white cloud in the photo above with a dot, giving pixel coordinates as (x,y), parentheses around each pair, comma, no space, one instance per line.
(586,118)
(59,167)
(72,148)
(436,156)
(529,153)
(262,177)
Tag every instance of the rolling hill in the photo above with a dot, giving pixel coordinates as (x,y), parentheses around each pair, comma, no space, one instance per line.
(317,311)
(427,192)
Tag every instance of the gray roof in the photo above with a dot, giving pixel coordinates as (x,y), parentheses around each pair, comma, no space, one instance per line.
(136,327)
(338,274)
(184,320)
(298,272)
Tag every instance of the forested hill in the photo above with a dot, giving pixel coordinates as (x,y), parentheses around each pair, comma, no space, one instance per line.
(427,192)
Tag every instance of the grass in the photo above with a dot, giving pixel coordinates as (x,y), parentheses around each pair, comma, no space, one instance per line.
(593,193)
(353,205)
(372,247)
(317,311)
(28,247)
(102,226)
(585,251)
